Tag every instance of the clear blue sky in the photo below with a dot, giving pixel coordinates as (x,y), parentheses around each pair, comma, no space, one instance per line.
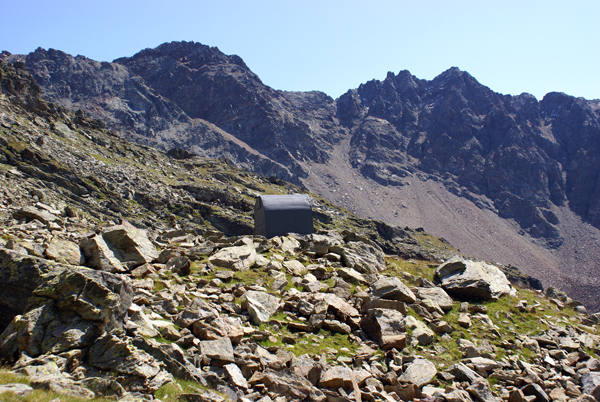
(534,46)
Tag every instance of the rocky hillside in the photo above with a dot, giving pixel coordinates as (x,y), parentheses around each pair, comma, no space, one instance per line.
(508,178)
(130,274)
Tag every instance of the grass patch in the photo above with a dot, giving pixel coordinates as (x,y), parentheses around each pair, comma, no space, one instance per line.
(417,269)
(171,392)
(330,343)
(38,395)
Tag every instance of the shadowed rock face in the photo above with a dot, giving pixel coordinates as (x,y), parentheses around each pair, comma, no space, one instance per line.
(520,158)
(513,155)
(207,84)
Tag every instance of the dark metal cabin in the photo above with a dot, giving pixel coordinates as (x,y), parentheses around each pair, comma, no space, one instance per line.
(278,215)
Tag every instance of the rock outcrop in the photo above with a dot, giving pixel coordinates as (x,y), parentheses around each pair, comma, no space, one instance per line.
(472,280)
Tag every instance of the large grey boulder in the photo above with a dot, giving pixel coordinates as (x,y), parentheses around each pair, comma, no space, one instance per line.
(171,356)
(198,310)
(307,368)
(131,245)
(141,371)
(419,372)
(235,376)
(30,213)
(386,327)
(219,327)
(284,384)
(421,332)
(17,389)
(392,288)
(366,258)
(218,349)
(93,295)
(260,305)
(591,384)
(435,294)
(99,255)
(19,275)
(118,249)
(343,377)
(69,310)
(239,258)
(482,392)
(472,280)
(463,373)
(335,305)
(376,302)
(64,251)
(319,244)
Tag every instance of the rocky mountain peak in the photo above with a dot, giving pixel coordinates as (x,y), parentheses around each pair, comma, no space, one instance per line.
(193,55)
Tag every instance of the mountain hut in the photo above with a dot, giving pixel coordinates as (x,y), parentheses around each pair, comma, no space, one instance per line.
(278,215)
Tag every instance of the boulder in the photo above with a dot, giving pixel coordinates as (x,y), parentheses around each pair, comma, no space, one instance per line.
(335,305)
(294,268)
(239,258)
(352,276)
(30,213)
(590,383)
(421,332)
(342,377)
(336,326)
(464,320)
(199,310)
(435,294)
(537,391)
(141,371)
(283,383)
(419,372)
(171,356)
(471,280)
(64,251)
(387,327)
(235,376)
(482,392)
(107,387)
(218,349)
(17,389)
(363,257)
(219,327)
(68,311)
(463,373)
(336,377)
(19,276)
(62,386)
(260,305)
(457,395)
(319,244)
(99,255)
(392,288)
(131,245)
(305,367)
(376,302)
(96,296)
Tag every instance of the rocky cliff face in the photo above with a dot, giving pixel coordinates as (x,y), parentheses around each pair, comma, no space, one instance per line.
(531,164)
(221,89)
(509,154)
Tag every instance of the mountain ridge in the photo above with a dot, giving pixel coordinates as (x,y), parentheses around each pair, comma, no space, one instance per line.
(530,163)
